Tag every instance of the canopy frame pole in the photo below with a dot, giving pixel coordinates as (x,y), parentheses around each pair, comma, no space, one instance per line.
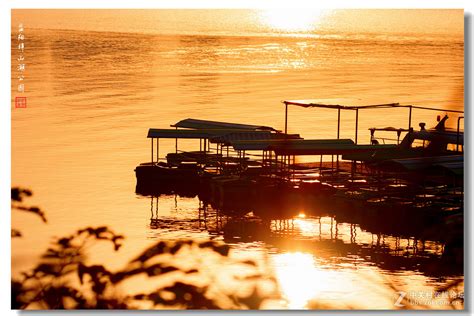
(157,150)
(356,124)
(286,118)
(338,122)
(354,163)
(338,134)
(457,132)
(409,117)
(152,150)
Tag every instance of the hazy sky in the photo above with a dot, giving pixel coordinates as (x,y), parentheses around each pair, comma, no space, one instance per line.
(234,22)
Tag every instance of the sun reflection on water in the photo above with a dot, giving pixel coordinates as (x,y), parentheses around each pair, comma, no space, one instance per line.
(293,270)
(305,283)
(300,278)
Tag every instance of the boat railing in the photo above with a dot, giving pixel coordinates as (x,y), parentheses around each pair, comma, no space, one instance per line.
(384,140)
(356,108)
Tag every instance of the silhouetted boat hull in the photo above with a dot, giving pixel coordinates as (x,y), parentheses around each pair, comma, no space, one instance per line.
(160,178)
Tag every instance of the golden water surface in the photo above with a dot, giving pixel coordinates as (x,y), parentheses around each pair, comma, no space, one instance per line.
(96,80)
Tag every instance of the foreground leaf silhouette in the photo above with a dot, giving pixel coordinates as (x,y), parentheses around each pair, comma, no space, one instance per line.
(17,196)
(185,274)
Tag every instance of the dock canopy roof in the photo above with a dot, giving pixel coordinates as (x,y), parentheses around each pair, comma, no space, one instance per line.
(342,104)
(203,124)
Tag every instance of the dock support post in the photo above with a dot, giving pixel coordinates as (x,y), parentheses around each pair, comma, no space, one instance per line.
(276,163)
(176,143)
(288,162)
(270,169)
(353,171)
(294,166)
(320,166)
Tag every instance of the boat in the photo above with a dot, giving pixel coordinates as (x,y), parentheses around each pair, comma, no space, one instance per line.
(182,170)
(156,178)
(438,141)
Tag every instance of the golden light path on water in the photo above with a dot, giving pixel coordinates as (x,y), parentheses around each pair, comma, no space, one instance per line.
(299,275)
(309,279)
(300,279)
(306,283)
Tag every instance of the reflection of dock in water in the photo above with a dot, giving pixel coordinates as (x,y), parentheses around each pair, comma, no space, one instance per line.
(208,219)
(323,236)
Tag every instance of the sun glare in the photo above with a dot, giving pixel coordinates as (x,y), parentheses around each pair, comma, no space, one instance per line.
(294,270)
(292,20)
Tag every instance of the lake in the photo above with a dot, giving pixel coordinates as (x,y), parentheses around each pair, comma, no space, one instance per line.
(97,80)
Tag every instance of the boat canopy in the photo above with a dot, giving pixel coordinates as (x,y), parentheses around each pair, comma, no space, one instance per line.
(325,147)
(191,133)
(203,124)
(450,137)
(389,129)
(265,144)
(220,136)
(259,136)
(350,104)
(308,147)
(336,104)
